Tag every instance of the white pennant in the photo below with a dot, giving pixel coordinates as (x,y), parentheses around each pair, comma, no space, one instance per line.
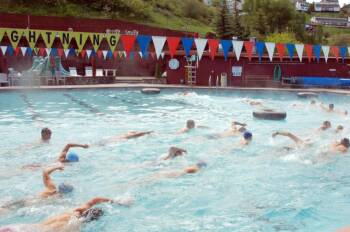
(104,52)
(140,54)
(300,50)
(124,54)
(349,50)
(23,50)
(3,49)
(162,55)
(325,50)
(270,47)
(158,42)
(200,45)
(237,47)
(48,51)
(66,52)
(88,53)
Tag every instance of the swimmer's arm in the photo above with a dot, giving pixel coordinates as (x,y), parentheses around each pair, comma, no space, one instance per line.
(91,203)
(191,170)
(239,124)
(289,135)
(203,127)
(65,150)
(47,179)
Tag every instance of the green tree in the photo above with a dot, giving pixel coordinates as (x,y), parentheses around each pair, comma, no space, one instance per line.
(223,23)
(284,37)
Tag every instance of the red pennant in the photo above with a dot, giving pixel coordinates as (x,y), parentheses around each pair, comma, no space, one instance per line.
(281,49)
(17,50)
(128,42)
(173,43)
(99,54)
(249,48)
(42,51)
(60,52)
(335,51)
(153,55)
(213,47)
(83,53)
(308,49)
(115,54)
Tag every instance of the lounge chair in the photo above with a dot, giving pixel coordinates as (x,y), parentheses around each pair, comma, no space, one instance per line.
(3,79)
(73,72)
(99,73)
(88,71)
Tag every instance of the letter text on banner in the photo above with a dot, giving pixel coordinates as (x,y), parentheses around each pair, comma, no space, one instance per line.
(270,47)
(96,39)
(65,37)
(2,33)
(187,44)
(32,37)
(80,39)
(48,37)
(300,51)
(144,41)
(158,43)
(15,35)
(260,49)
(200,45)
(325,50)
(213,47)
(173,43)
(112,39)
(237,48)
(226,46)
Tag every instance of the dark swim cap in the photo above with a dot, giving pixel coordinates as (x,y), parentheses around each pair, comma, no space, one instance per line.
(92,214)
(247,135)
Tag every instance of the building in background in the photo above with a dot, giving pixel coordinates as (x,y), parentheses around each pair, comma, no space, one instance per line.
(232,5)
(301,5)
(327,6)
(333,22)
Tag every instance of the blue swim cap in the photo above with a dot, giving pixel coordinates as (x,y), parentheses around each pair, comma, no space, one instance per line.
(247,135)
(72,157)
(201,164)
(65,188)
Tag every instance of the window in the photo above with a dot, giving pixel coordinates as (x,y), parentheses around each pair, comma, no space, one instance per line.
(236,71)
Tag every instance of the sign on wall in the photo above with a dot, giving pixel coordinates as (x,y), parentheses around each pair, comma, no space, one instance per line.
(236,71)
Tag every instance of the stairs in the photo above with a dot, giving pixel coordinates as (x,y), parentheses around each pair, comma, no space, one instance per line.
(191,71)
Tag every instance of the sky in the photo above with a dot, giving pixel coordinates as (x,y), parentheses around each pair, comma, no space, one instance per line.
(342,2)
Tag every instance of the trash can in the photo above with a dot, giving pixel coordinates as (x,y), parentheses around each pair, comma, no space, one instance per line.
(223,80)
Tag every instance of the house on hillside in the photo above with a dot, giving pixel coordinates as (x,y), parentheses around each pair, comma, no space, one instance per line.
(334,22)
(301,5)
(327,6)
(232,5)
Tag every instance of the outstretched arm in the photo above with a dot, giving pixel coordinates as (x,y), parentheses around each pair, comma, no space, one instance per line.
(289,135)
(91,203)
(47,179)
(239,124)
(65,150)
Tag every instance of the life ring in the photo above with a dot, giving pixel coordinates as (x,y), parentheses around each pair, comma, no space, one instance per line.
(150,91)
(307,94)
(270,114)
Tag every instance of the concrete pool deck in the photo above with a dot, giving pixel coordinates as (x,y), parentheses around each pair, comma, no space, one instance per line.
(166,86)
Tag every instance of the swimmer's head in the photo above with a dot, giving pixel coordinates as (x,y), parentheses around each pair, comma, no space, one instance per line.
(345,142)
(313,102)
(190,124)
(46,134)
(92,214)
(242,129)
(346,112)
(175,151)
(331,106)
(326,125)
(65,188)
(339,128)
(201,164)
(247,135)
(72,157)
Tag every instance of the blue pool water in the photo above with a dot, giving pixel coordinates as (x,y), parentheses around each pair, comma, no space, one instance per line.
(254,188)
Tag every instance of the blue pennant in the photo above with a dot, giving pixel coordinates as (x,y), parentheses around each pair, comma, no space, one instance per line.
(290,48)
(54,52)
(260,49)
(10,50)
(144,42)
(29,51)
(342,51)
(226,45)
(187,44)
(109,54)
(317,51)
(71,52)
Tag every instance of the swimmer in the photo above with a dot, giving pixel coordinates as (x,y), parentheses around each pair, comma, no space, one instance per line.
(247,138)
(331,109)
(129,135)
(50,190)
(46,134)
(174,152)
(233,131)
(175,174)
(346,229)
(68,221)
(253,103)
(190,125)
(340,147)
(325,126)
(339,129)
(298,141)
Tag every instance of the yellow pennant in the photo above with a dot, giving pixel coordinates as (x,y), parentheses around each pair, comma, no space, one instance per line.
(48,37)
(112,39)
(80,39)
(32,37)
(96,39)
(15,35)
(65,37)
(2,33)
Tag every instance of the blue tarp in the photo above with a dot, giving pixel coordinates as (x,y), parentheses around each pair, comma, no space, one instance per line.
(323,81)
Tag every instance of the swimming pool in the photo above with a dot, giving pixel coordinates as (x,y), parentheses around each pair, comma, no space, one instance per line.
(256,188)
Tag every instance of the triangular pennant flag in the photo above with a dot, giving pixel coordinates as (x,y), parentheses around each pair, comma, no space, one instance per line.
(32,37)
(162,55)
(213,47)
(88,53)
(83,53)
(325,50)
(200,45)
(349,50)
(308,49)
(153,55)
(66,38)
(60,52)
(54,52)
(80,39)
(42,51)
(158,42)
(23,50)
(48,51)
(36,50)
(300,51)
(96,40)
(17,51)
(187,44)
(48,37)
(115,54)
(72,52)
(226,45)
(144,41)
(260,49)
(317,52)
(29,52)
(342,51)
(335,51)
(109,54)
(290,48)
(140,54)
(99,54)
(10,50)
(120,54)
(281,50)
(270,47)
(3,49)
(15,35)
(112,39)
(128,42)
(66,52)
(93,54)
(248,45)
(132,55)
(173,43)
(237,48)
(104,52)
(2,33)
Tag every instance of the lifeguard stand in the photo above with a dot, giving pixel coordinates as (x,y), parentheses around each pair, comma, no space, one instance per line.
(191,70)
